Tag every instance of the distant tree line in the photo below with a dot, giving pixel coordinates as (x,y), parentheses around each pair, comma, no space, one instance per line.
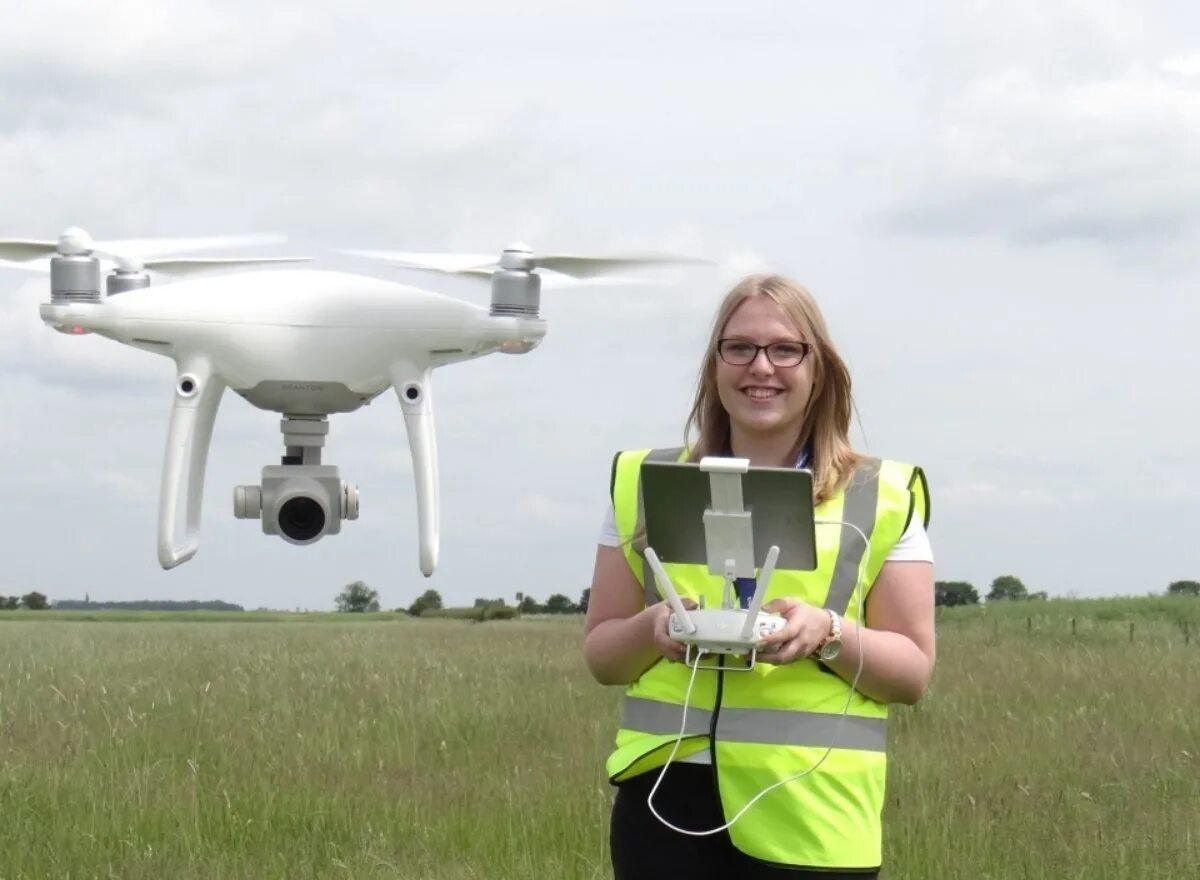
(556,603)
(147,605)
(34,601)
(1008,588)
(359,598)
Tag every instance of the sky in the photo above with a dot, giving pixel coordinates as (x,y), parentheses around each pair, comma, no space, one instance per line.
(997,206)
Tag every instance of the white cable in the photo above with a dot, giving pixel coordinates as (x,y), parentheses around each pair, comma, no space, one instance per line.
(859,624)
(687,695)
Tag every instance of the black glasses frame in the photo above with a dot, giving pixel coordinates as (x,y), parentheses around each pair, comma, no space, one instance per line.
(771,348)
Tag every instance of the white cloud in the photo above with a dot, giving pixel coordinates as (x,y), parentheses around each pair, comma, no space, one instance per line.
(127,486)
(547,511)
(1059,138)
(743,263)
(1182,65)
(1009,497)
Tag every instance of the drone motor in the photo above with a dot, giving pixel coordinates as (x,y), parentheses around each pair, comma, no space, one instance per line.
(128,275)
(74,278)
(516,288)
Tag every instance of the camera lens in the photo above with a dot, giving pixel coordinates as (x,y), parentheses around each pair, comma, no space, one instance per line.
(301,518)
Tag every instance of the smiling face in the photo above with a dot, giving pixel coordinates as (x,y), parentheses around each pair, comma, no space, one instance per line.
(762,399)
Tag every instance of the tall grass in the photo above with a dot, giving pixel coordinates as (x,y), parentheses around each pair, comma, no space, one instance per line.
(443,749)
(1042,754)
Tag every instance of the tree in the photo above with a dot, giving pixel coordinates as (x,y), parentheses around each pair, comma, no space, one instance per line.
(34,601)
(529,605)
(584,599)
(430,600)
(1184,588)
(357,598)
(559,604)
(1007,587)
(12,603)
(950,593)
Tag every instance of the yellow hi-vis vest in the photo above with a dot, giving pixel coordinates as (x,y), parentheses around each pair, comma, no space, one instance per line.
(773,722)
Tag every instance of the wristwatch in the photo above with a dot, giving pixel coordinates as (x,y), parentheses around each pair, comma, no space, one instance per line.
(832,646)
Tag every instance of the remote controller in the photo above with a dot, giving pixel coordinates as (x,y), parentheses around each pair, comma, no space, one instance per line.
(721,631)
(730,548)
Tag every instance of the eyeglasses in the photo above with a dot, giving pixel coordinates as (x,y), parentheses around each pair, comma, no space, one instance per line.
(740,353)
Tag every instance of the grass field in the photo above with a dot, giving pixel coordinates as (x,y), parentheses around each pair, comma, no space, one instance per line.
(193,746)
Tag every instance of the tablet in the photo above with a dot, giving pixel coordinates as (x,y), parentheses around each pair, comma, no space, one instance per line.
(780,501)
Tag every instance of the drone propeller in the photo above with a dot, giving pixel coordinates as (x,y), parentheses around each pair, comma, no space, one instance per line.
(135,254)
(178,265)
(519,256)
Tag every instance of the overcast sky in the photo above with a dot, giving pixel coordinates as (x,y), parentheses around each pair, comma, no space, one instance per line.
(996,204)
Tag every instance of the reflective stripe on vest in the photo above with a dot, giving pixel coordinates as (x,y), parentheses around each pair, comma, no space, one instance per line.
(784,727)
(861,499)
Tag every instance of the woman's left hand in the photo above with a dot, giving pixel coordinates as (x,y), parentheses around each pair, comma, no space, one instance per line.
(806,628)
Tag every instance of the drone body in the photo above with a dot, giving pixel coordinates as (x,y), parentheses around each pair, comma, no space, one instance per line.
(300,341)
(303,343)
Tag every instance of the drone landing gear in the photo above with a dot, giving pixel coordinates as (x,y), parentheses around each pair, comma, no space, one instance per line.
(412,387)
(197,394)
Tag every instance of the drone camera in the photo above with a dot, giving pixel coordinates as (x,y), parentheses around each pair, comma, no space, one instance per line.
(300,503)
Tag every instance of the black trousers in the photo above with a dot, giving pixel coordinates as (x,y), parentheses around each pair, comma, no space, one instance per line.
(645,849)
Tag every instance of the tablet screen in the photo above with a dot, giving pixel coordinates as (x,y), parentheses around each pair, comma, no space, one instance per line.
(780,501)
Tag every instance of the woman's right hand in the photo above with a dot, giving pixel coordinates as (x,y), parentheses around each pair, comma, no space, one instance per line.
(667,646)
(623,636)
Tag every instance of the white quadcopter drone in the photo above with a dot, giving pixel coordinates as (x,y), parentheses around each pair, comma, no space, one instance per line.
(300,342)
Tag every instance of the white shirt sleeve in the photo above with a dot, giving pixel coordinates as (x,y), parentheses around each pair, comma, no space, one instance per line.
(609,536)
(913,545)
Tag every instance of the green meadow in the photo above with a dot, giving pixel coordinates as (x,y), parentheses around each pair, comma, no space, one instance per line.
(1059,740)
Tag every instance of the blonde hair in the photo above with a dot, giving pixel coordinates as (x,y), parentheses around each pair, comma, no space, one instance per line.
(826,425)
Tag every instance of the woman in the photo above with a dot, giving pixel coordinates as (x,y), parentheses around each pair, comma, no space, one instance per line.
(768,748)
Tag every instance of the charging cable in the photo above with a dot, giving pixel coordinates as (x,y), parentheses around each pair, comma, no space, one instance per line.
(859,623)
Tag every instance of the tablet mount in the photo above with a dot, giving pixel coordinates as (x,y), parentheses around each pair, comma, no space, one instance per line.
(729,544)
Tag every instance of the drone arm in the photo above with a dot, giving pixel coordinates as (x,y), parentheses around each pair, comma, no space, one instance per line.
(413,388)
(197,394)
